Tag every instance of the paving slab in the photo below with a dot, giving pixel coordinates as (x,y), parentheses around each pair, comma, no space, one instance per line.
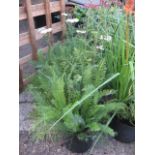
(25,97)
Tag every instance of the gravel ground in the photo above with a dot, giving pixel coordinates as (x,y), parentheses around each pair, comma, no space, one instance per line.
(107,146)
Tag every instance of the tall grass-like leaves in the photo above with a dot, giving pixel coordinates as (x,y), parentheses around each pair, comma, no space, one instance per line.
(119,51)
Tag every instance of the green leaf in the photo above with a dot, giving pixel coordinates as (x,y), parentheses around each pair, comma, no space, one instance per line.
(94,127)
(107,130)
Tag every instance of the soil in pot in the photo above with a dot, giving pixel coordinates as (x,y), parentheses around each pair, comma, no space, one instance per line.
(125,131)
(106,98)
(78,146)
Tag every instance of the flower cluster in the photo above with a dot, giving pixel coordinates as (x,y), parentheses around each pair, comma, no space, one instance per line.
(129,6)
(72,20)
(100,47)
(106,38)
(109,3)
(81,31)
(45,30)
(64,14)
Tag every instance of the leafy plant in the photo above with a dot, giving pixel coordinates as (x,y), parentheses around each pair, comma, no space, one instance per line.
(122,61)
(83,118)
(67,75)
(80,13)
(113,32)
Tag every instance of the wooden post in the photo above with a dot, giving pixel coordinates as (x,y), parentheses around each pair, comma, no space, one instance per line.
(48,20)
(21,83)
(62,18)
(31,29)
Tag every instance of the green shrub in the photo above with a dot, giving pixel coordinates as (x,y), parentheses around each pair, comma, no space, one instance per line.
(63,79)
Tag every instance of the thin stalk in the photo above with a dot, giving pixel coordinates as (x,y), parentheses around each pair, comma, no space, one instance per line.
(127,37)
(99,136)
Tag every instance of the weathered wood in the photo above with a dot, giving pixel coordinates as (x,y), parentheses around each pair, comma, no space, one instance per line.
(24,37)
(48,20)
(31,29)
(38,9)
(62,18)
(28,57)
(21,82)
(28,11)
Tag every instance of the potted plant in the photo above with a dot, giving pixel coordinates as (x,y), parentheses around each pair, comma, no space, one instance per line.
(124,125)
(114,36)
(120,58)
(81,124)
(63,79)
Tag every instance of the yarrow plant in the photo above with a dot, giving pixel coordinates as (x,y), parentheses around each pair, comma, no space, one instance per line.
(81,31)
(108,38)
(100,47)
(72,20)
(64,14)
(45,30)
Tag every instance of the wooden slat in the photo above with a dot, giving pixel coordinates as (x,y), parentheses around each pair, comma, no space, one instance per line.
(24,37)
(21,82)
(29,11)
(62,18)
(48,20)
(38,9)
(31,29)
(27,58)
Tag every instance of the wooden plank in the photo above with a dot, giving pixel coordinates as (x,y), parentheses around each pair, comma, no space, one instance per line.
(21,82)
(24,37)
(48,20)
(62,19)
(39,9)
(27,58)
(31,29)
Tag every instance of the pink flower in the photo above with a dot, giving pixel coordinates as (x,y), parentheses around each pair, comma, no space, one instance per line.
(92,6)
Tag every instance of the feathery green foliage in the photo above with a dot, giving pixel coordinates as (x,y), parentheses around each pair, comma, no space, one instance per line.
(72,71)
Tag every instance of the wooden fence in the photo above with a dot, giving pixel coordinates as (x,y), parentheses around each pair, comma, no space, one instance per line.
(29,11)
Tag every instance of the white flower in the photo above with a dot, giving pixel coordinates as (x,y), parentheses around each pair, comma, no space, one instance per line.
(81,31)
(107,38)
(44,30)
(73,20)
(101,37)
(64,14)
(41,29)
(100,47)
(78,77)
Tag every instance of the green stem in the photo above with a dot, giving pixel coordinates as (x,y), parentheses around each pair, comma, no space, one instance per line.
(127,38)
(99,136)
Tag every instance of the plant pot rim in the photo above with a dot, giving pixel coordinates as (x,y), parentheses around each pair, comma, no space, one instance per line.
(75,145)
(125,122)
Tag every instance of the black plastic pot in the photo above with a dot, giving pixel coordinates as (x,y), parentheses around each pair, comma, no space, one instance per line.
(125,131)
(106,98)
(77,146)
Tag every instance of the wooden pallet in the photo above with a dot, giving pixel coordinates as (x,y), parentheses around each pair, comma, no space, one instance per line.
(28,11)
